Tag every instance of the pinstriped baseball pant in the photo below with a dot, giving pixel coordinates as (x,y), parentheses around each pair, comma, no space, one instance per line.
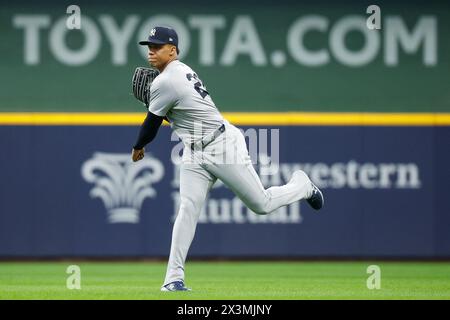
(227,159)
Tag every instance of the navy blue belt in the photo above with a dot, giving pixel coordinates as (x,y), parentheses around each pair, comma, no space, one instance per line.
(209,138)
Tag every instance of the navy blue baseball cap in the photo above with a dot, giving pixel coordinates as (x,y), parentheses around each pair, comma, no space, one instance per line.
(161,35)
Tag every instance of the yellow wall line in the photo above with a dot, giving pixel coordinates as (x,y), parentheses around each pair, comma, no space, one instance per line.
(238,118)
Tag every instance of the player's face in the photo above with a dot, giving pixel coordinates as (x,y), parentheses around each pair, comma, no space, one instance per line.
(160,54)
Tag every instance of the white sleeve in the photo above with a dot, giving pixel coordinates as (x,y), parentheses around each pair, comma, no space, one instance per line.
(162,97)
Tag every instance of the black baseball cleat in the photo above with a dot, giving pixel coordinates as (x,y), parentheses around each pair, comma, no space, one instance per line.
(316,199)
(175,286)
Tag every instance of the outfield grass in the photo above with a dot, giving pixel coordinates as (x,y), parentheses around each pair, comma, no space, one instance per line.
(227,280)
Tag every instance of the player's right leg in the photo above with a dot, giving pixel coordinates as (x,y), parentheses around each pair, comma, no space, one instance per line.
(195,184)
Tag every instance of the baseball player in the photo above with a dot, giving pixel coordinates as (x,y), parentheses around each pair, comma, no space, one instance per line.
(213,149)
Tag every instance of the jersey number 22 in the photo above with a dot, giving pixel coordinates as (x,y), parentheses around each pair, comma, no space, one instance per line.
(198,86)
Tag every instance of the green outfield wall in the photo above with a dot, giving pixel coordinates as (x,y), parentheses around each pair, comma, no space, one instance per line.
(252,56)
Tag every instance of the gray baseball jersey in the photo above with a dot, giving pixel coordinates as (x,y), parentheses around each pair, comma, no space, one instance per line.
(179,94)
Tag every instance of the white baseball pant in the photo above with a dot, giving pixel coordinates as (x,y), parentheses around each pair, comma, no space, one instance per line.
(226,158)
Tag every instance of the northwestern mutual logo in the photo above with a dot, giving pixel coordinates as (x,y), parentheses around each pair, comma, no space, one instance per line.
(121,184)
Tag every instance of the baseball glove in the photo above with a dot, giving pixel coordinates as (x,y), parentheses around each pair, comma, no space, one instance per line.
(142,79)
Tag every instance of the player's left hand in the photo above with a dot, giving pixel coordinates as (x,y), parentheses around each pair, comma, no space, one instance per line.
(137,155)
